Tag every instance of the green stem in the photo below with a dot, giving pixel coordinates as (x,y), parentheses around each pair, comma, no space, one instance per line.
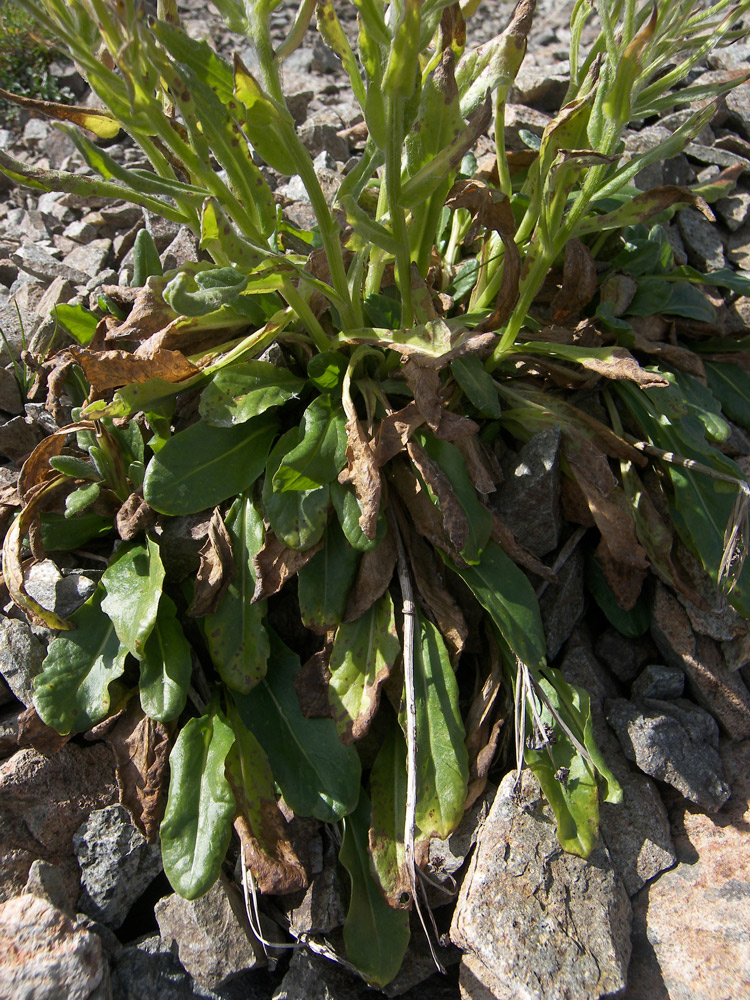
(395,126)
(302,308)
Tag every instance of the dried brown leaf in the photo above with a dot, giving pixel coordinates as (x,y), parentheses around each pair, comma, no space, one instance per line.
(141,747)
(423,513)
(149,315)
(273,861)
(373,578)
(424,382)
(579,282)
(481,471)
(622,365)
(37,734)
(275,564)
(111,369)
(505,538)
(435,597)
(311,683)
(394,431)
(133,517)
(362,472)
(216,568)
(682,358)
(451,511)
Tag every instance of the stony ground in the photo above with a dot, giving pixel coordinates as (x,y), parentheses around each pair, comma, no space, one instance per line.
(659,912)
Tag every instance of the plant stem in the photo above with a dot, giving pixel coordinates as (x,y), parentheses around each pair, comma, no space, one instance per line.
(398,217)
(305,313)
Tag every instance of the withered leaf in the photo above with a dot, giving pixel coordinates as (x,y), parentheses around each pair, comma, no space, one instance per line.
(394,431)
(149,314)
(37,734)
(424,383)
(363,474)
(423,513)
(622,365)
(453,514)
(428,579)
(36,468)
(133,517)
(96,120)
(311,683)
(141,747)
(579,282)
(277,869)
(275,564)
(373,577)
(682,358)
(112,369)
(480,470)
(216,568)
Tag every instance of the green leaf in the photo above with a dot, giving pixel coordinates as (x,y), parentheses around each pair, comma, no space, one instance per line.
(363,654)
(376,936)
(76,468)
(321,452)
(327,369)
(326,580)
(388,795)
(77,501)
(690,302)
(731,386)
(246,390)
(442,760)
(133,581)
(504,591)
(575,800)
(382,310)
(349,511)
(299,517)
(71,694)
(203,465)
(166,666)
(61,534)
(79,322)
(651,299)
(724,278)
(236,638)
(317,774)
(479,519)
(146,262)
(478,385)
(197,825)
(197,293)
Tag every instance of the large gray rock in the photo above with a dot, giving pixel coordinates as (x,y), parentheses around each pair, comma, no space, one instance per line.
(702,241)
(622,656)
(673,741)
(62,594)
(149,970)
(691,939)
(44,956)
(528,500)
(537,923)
(659,681)
(117,864)
(212,935)
(21,656)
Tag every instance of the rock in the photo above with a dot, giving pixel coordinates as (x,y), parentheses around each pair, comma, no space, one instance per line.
(183,248)
(59,291)
(518,117)
(55,592)
(734,210)
(562,604)
(162,230)
(658,681)
(212,935)
(117,864)
(738,248)
(44,956)
(89,258)
(538,88)
(738,106)
(320,132)
(83,230)
(691,937)
(10,392)
(528,500)
(48,882)
(624,657)
(43,801)
(8,271)
(310,977)
(19,437)
(324,904)
(447,857)
(673,741)
(21,655)
(636,831)
(720,690)
(149,970)
(37,262)
(702,241)
(562,929)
